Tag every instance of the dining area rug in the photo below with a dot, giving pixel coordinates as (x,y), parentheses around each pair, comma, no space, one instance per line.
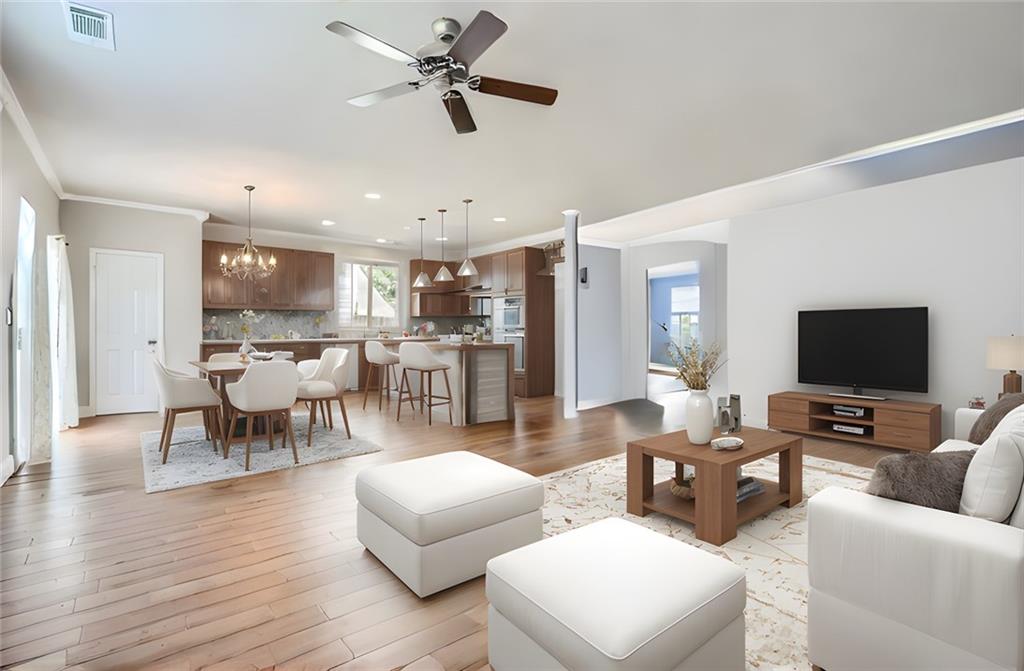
(192,461)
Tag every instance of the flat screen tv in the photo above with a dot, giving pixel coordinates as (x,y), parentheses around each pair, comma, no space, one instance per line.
(876,348)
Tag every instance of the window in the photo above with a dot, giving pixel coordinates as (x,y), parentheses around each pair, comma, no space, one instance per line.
(685,320)
(367,295)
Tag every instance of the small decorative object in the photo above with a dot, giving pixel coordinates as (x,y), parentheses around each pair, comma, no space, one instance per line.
(294,335)
(977,403)
(727,443)
(696,366)
(683,488)
(212,329)
(318,320)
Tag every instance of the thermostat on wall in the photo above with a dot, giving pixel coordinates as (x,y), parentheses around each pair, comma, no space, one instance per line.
(584,281)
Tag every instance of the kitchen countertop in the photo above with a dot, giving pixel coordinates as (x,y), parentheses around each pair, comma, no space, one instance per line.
(468,346)
(348,341)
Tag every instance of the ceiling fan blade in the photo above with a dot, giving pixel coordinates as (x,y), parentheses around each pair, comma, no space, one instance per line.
(458,110)
(480,34)
(370,42)
(375,97)
(506,89)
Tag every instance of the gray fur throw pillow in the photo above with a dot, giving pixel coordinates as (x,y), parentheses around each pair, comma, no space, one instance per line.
(988,420)
(932,480)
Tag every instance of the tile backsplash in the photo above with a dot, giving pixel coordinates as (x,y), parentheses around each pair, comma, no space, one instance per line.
(274,323)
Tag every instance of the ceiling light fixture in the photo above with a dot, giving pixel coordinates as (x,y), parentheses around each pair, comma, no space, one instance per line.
(467,268)
(443,274)
(382,241)
(442,239)
(247,263)
(372,196)
(500,220)
(327,222)
(422,280)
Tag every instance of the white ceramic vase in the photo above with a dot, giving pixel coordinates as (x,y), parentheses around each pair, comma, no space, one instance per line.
(700,417)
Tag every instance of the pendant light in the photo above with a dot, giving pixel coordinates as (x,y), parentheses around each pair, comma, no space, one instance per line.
(422,280)
(467,268)
(247,262)
(443,275)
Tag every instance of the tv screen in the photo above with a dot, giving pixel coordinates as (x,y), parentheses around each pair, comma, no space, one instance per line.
(878,348)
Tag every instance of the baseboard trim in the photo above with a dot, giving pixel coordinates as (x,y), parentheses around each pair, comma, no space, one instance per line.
(6,468)
(86,411)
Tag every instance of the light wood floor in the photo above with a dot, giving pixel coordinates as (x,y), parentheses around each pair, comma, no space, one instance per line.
(260,572)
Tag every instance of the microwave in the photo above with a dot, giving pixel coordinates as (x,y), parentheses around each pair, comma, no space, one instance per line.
(510,313)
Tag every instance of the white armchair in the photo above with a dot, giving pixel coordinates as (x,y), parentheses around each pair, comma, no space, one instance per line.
(898,586)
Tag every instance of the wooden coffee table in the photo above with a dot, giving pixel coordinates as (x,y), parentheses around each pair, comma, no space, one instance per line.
(713,510)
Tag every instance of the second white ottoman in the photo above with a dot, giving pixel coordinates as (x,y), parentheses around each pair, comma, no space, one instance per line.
(612,596)
(436,521)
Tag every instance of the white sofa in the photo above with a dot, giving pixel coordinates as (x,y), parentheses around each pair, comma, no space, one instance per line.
(899,586)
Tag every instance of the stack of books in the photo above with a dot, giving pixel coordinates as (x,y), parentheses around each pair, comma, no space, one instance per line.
(746,488)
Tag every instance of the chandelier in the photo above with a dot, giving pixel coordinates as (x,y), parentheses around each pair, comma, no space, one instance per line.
(247,262)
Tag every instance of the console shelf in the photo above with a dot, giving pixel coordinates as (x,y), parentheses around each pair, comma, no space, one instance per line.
(901,424)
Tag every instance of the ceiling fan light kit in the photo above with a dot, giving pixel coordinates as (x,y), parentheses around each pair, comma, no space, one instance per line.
(447,66)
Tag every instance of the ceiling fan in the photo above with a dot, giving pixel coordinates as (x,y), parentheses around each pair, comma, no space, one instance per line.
(445,63)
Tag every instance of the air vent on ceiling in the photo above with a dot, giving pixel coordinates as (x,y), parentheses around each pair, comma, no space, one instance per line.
(90,26)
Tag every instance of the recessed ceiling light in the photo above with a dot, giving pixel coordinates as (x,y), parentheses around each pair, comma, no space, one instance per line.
(372,196)
(382,241)
(407,228)
(327,222)
(444,239)
(500,219)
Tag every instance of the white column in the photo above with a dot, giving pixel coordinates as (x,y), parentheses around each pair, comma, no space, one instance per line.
(569,379)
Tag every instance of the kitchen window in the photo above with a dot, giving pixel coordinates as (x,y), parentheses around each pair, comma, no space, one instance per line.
(367,295)
(684,324)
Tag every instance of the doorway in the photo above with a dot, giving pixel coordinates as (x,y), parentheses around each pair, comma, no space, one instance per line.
(673,304)
(126,324)
(24,272)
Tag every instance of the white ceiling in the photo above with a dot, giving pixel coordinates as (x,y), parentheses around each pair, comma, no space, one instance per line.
(657,102)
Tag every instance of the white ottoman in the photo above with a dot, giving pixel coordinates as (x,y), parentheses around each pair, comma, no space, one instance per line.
(614,595)
(436,521)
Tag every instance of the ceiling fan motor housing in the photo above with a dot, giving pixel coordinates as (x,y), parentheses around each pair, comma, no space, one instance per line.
(446,29)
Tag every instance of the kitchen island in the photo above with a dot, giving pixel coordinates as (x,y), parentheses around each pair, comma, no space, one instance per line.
(482,375)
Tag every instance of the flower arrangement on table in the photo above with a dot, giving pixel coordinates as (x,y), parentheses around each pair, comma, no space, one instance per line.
(694,364)
(249,319)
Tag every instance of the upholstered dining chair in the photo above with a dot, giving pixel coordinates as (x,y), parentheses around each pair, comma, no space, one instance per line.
(417,358)
(384,362)
(181,393)
(325,385)
(266,389)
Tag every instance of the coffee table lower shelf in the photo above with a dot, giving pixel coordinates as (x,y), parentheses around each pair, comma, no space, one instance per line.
(665,502)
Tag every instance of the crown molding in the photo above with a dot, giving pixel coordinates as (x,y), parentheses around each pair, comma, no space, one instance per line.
(335,239)
(9,102)
(200,215)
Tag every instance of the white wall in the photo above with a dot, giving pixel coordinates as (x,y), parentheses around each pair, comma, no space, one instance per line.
(953,242)
(599,341)
(343,252)
(178,237)
(636,261)
(20,177)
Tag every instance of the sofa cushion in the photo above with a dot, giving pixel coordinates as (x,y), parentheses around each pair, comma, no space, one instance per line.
(994,478)
(444,495)
(993,416)
(933,480)
(615,595)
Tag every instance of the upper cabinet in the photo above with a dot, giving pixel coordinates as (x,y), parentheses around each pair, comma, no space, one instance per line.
(483,272)
(499,268)
(303,280)
(515,271)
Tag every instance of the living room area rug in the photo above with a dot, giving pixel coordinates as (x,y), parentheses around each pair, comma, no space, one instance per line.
(772,549)
(192,461)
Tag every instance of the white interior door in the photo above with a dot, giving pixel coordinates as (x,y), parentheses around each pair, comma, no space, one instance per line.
(128,327)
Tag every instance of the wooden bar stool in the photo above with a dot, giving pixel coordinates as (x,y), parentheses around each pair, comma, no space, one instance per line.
(418,358)
(383,361)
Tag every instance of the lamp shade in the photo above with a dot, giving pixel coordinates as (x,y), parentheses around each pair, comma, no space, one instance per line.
(422,280)
(443,275)
(1005,353)
(467,269)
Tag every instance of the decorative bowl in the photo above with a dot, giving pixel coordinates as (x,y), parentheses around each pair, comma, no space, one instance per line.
(262,356)
(727,443)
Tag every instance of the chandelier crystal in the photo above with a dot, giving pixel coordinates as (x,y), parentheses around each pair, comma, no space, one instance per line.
(247,262)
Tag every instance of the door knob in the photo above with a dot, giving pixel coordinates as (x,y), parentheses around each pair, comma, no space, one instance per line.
(150,342)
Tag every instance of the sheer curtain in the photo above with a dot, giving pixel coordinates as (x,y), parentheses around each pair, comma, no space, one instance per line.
(62,336)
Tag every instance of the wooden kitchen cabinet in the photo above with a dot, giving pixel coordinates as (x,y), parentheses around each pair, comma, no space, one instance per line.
(220,291)
(483,272)
(303,280)
(515,271)
(499,267)
(438,305)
